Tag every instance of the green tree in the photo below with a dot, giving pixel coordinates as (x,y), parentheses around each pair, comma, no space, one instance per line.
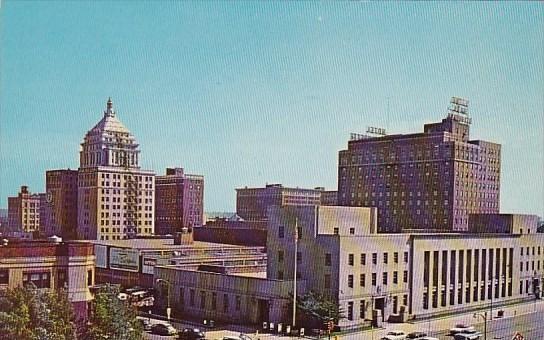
(28,313)
(314,310)
(112,318)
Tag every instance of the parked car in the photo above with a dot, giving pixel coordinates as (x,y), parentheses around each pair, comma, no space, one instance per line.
(459,328)
(428,338)
(242,336)
(395,335)
(163,329)
(191,334)
(146,325)
(468,335)
(416,335)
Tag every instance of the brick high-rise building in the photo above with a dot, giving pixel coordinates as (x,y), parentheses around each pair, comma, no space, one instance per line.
(252,203)
(179,201)
(24,211)
(427,181)
(60,207)
(115,197)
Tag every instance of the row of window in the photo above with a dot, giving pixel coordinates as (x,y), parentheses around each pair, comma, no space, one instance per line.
(365,305)
(385,279)
(203,296)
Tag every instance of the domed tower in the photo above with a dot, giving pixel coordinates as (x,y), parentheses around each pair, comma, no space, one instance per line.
(115,197)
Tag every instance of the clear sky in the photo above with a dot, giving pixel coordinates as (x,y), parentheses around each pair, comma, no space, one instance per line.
(247,93)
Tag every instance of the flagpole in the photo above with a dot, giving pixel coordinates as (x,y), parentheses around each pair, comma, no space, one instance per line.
(295,275)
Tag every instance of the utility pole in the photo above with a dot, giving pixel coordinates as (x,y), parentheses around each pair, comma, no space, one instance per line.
(295,275)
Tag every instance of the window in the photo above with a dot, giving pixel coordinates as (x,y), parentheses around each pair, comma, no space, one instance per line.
(362,280)
(350,281)
(299,233)
(280,275)
(351,259)
(192,297)
(405,300)
(40,280)
(385,257)
(336,231)
(363,259)
(280,255)
(405,257)
(362,309)
(374,258)
(374,279)
(225,303)
(405,276)
(214,301)
(90,277)
(352,231)
(396,257)
(281,232)
(327,281)
(202,300)
(238,302)
(384,276)
(350,310)
(328,259)
(4,277)
(61,279)
(182,296)
(395,277)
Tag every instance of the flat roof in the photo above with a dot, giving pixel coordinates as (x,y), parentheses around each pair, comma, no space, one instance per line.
(165,244)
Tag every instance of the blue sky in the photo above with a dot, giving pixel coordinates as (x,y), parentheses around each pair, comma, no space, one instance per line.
(247,93)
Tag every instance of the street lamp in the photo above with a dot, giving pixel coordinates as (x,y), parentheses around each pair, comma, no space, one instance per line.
(168,309)
(483,316)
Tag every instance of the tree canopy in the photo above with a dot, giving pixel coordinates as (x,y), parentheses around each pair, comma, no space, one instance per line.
(112,318)
(28,313)
(314,309)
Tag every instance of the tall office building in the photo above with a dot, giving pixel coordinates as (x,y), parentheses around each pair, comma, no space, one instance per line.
(60,206)
(115,197)
(24,211)
(252,203)
(179,201)
(427,181)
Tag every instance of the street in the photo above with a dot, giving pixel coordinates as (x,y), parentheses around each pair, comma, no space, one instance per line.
(524,318)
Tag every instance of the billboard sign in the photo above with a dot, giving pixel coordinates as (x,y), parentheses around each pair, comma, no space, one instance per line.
(148,263)
(124,259)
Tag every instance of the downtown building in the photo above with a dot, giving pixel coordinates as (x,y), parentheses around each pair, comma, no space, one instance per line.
(60,206)
(24,211)
(252,203)
(430,181)
(51,265)
(115,197)
(396,277)
(179,202)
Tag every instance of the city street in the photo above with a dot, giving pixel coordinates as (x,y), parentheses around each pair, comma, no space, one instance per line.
(524,318)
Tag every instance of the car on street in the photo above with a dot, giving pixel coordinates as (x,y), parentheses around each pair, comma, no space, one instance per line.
(429,338)
(394,335)
(459,328)
(163,328)
(146,325)
(416,335)
(468,335)
(242,336)
(191,334)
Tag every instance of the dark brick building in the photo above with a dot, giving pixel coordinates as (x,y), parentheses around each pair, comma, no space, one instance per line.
(427,181)
(60,206)
(179,201)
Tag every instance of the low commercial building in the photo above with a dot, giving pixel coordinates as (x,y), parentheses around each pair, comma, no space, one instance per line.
(51,265)
(132,262)
(243,297)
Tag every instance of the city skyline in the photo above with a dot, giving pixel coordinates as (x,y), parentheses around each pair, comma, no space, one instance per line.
(246,94)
